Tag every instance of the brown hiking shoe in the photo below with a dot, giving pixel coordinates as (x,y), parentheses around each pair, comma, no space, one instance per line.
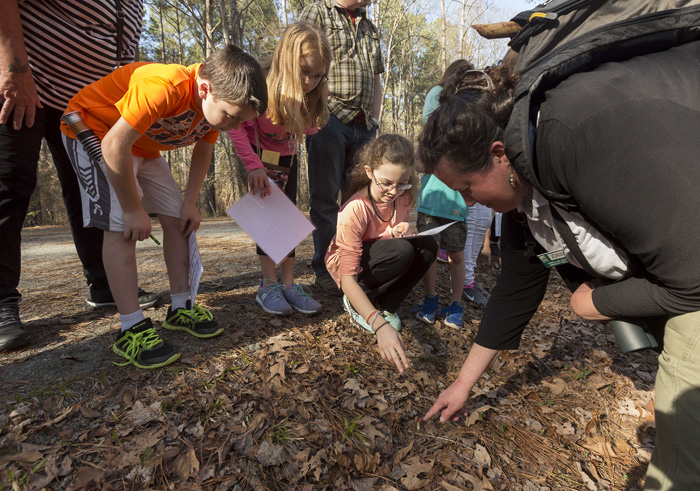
(328,286)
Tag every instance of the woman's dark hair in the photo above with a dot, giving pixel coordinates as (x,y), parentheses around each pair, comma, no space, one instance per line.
(469,119)
(453,67)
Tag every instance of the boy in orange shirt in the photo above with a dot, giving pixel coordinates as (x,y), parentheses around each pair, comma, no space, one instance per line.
(137,111)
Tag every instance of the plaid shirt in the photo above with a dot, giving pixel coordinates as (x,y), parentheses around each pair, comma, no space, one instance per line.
(357,57)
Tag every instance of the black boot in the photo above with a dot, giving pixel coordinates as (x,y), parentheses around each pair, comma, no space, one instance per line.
(12,332)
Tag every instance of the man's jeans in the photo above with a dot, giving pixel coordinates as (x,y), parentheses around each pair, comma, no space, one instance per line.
(19,155)
(331,154)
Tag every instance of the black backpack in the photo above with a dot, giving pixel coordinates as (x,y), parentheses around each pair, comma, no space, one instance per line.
(563,37)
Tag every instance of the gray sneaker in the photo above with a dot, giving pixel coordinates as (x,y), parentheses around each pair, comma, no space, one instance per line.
(299,298)
(271,298)
(481,289)
(475,294)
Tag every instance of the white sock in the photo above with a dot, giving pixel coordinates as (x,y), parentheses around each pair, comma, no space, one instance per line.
(130,320)
(179,300)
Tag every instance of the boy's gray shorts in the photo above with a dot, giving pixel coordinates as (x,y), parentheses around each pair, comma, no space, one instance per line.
(156,185)
(453,238)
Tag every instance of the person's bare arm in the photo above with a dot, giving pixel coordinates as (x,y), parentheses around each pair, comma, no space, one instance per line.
(378,97)
(17,88)
(486,247)
(453,399)
(201,160)
(582,303)
(389,342)
(116,150)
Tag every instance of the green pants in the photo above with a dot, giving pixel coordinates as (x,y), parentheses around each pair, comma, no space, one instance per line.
(675,464)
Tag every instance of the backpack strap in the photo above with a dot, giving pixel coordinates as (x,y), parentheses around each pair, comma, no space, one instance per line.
(568,236)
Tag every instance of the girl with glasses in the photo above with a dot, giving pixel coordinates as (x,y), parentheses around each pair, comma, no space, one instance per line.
(372,258)
(267,145)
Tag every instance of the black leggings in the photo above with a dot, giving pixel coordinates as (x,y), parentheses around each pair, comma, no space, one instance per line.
(392,267)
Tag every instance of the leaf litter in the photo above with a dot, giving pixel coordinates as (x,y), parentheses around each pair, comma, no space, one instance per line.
(307,403)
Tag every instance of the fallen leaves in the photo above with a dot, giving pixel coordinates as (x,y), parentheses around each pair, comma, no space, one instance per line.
(306,403)
(186,464)
(416,472)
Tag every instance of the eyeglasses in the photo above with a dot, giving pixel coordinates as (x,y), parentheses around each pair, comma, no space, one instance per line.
(318,79)
(388,187)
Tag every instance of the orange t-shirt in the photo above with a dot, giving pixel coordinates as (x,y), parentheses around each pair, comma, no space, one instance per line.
(159,101)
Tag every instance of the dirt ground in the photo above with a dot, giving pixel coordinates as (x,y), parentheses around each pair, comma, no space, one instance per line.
(306,402)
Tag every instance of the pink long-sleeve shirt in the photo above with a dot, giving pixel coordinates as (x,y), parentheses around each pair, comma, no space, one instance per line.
(357,223)
(274,137)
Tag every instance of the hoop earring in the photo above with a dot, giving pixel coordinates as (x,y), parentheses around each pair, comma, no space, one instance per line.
(511,179)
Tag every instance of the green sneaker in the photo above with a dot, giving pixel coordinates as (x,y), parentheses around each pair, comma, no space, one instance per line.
(197,321)
(143,347)
(393,319)
(356,318)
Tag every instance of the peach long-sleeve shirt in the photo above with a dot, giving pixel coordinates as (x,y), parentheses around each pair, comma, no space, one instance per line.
(357,223)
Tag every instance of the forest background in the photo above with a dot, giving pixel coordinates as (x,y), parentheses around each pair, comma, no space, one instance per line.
(419,39)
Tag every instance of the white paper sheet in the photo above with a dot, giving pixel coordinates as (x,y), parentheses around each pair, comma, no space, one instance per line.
(273,222)
(196,267)
(435,230)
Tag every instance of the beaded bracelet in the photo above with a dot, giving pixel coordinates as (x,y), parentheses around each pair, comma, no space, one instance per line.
(373,316)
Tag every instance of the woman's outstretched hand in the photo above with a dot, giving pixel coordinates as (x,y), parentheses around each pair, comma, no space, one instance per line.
(450,403)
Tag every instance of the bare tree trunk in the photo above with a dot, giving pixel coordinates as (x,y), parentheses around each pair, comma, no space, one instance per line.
(284,13)
(443,36)
(410,102)
(209,194)
(236,28)
(462,28)
(162,33)
(179,36)
(224,21)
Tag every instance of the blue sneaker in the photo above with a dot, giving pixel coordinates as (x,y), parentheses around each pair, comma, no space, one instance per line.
(271,298)
(426,311)
(299,298)
(392,319)
(453,315)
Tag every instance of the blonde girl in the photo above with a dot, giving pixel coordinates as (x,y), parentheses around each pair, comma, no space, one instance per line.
(297,77)
(375,273)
